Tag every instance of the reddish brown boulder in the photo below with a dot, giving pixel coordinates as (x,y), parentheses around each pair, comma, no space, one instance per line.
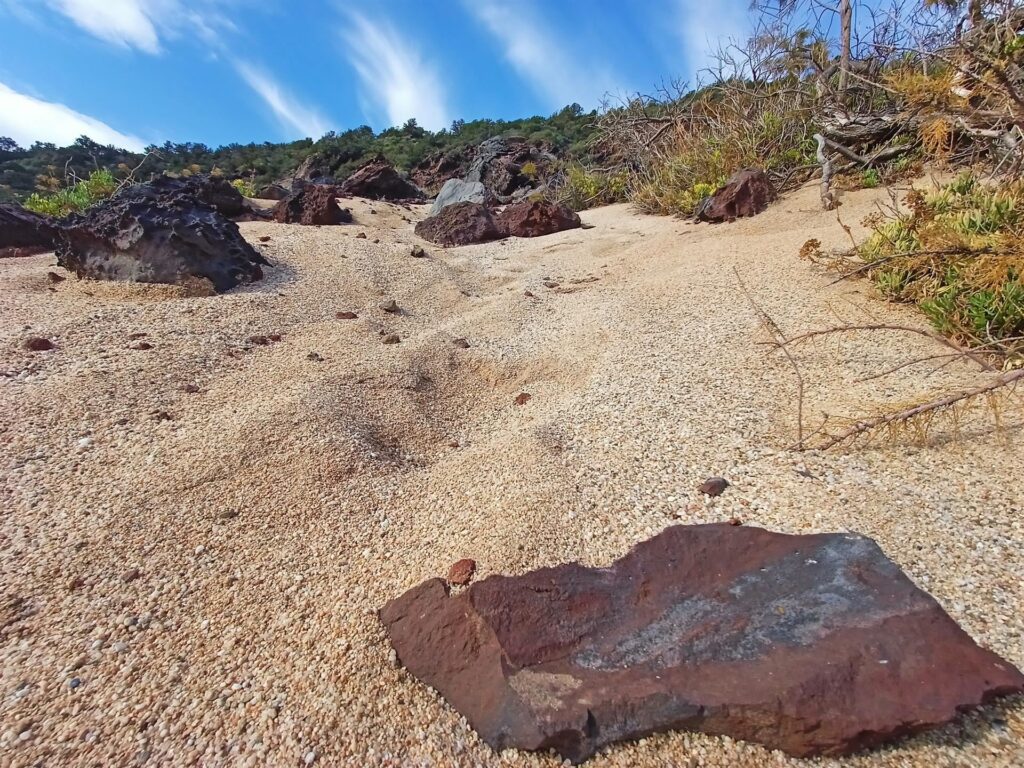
(747,193)
(815,645)
(459,224)
(314,204)
(23,232)
(536,218)
(378,180)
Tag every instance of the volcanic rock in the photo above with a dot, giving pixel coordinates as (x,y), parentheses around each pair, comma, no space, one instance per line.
(38,344)
(747,193)
(815,645)
(459,224)
(214,191)
(459,191)
(713,486)
(378,180)
(272,192)
(24,232)
(461,572)
(157,233)
(312,205)
(433,172)
(503,166)
(536,218)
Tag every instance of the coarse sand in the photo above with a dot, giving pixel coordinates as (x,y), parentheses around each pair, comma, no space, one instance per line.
(196,536)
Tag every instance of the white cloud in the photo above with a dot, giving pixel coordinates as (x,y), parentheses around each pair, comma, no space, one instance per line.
(394,75)
(542,58)
(704,26)
(26,119)
(144,24)
(294,115)
(123,22)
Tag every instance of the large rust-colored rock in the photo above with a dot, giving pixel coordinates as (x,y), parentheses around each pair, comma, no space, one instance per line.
(378,180)
(536,218)
(23,232)
(815,645)
(313,204)
(459,224)
(157,234)
(747,193)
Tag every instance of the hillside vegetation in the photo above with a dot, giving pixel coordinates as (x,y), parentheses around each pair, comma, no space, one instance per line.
(46,168)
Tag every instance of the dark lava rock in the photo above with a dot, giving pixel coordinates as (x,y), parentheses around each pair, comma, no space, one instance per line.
(346,315)
(38,344)
(418,252)
(461,572)
(157,233)
(815,645)
(214,191)
(313,204)
(713,486)
(747,193)
(523,398)
(378,180)
(536,218)
(459,224)
(23,232)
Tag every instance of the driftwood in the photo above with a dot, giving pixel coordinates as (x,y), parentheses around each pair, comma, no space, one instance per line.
(828,200)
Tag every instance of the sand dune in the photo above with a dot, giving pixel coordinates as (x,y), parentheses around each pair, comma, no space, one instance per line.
(191,577)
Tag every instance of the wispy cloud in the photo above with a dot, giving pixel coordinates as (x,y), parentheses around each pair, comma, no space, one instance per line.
(296,116)
(540,57)
(26,119)
(145,24)
(394,75)
(126,23)
(704,26)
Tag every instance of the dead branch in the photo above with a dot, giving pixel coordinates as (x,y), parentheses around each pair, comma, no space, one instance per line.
(909,414)
(966,353)
(780,339)
(828,200)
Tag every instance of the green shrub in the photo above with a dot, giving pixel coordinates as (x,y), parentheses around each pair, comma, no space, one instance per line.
(870,179)
(958,254)
(76,198)
(582,189)
(245,187)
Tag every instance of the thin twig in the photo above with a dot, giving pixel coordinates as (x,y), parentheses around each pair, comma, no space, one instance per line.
(780,341)
(924,409)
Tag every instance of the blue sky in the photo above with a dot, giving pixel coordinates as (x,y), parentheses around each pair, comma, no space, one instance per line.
(135,72)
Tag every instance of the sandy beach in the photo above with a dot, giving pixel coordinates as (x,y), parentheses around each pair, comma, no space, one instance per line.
(201,522)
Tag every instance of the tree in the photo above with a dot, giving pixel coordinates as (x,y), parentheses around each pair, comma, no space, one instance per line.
(844,10)
(7,144)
